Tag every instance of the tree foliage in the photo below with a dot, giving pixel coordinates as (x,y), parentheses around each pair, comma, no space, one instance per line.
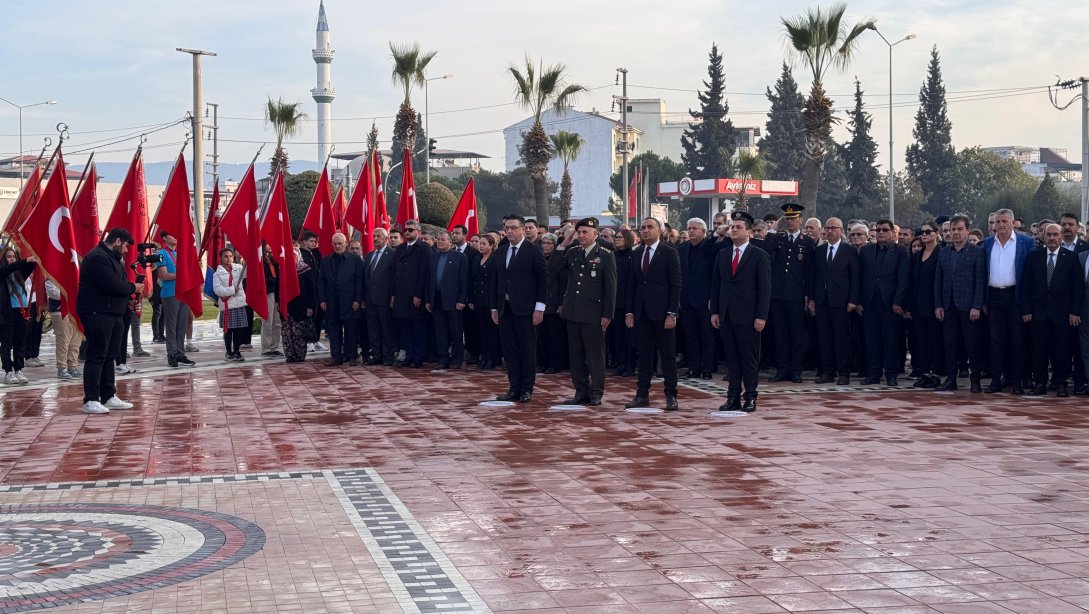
(710,141)
(783,143)
(409,70)
(1047,202)
(860,155)
(834,181)
(910,202)
(285,119)
(507,193)
(659,169)
(436,203)
(980,182)
(931,156)
(299,190)
(567,145)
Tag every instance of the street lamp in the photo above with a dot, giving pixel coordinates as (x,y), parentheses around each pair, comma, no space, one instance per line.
(892,193)
(427,125)
(21,107)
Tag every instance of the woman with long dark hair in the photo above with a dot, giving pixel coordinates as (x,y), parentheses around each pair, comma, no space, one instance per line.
(481,281)
(14,313)
(928,355)
(621,338)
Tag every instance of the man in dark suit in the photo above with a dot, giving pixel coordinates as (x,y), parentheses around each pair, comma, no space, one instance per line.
(1006,253)
(959,282)
(377,291)
(833,296)
(1071,242)
(447,295)
(588,304)
(1083,329)
(654,298)
(697,257)
(740,301)
(460,237)
(521,283)
(886,269)
(791,254)
(340,296)
(1054,283)
(409,290)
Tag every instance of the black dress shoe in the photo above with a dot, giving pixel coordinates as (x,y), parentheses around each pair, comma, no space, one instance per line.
(509,396)
(1037,391)
(749,406)
(1017,390)
(595,401)
(778,377)
(705,375)
(525,397)
(843,381)
(891,382)
(637,401)
(671,403)
(975,386)
(872,381)
(731,405)
(824,379)
(1082,390)
(797,379)
(577,401)
(1062,392)
(994,388)
(374,362)
(948,385)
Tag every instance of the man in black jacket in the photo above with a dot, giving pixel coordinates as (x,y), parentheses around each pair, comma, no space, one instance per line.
(1054,285)
(885,276)
(340,296)
(102,302)
(377,290)
(521,284)
(409,290)
(833,296)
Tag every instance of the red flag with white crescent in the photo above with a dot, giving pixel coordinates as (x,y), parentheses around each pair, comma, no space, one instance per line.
(130,212)
(359,208)
(276,231)
(406,206)
(175,217)
(241,226)
(85,212)
(465,213)
(319,217)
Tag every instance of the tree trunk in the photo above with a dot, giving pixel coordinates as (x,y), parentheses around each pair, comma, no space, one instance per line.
(540,200)
(807,191)
(566,196)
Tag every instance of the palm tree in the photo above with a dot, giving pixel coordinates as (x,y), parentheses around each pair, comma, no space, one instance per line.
(567,146)
(285,118)
(749,166)
(409,65)
(821,39)
(535,90)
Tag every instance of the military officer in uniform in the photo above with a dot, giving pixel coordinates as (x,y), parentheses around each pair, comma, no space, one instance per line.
(791,254)
(588,306)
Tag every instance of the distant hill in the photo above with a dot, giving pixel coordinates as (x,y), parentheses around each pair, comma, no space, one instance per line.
(156,173)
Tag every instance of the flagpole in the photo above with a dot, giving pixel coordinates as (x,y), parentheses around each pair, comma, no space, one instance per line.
(79,186)
(162,196)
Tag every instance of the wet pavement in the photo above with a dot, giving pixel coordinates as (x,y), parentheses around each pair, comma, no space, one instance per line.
(825,499)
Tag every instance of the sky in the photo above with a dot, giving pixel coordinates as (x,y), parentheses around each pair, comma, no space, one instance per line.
(113,68)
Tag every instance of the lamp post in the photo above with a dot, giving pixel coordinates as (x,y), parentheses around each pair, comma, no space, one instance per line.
(892,191)
(427,125)
(21,107)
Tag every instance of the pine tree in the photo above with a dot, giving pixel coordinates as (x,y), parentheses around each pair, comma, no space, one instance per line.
(834,180)
(710,142)
(931,157)
(783,143)
(863,199)
(1047,202)
(372,138)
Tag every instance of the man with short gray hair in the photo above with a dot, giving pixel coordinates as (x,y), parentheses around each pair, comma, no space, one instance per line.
(697,256)
(340,296)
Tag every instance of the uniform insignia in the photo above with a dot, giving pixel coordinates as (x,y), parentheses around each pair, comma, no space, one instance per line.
(801,255)
(596,260)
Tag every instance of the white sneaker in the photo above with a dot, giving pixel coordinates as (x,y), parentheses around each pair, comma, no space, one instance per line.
(116,403)
(310,347)
(34,362)
(191,347)
(75,372)
(124,369)
(63,374)
(20,378)
(94,407)
(9,378)
(318,347)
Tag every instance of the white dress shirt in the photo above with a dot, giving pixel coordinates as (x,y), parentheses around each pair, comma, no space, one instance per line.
(1001,266)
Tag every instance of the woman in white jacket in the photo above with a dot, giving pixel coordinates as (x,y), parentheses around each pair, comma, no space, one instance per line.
(227,284)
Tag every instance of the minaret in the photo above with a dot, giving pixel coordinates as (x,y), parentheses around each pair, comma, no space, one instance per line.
(324,93)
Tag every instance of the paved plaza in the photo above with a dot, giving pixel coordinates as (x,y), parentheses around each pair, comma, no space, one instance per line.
(267,487)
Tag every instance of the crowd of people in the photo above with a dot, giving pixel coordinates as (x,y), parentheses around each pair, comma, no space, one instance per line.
(1009,304)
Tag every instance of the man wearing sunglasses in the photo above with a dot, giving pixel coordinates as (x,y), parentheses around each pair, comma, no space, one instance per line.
(885,274)
(409,289)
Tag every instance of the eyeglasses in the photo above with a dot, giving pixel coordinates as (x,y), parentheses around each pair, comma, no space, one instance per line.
(926,231)
(884,230)
(412,230)
(856,234)
(648,227)
(508,228)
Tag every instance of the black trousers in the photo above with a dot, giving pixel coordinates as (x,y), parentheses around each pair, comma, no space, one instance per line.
(928,355)
(834,338)
(449,335)
(413,338)
(882,328)
(13,340)
(1053,341)
(586,354)
(552,343)
(380,329)
(959,329)
(105,334)
(489,336)
(158,326)
(741,344)
(34,335)
(471,326)
(233,338)
(790,336)
(652,338)
(1006,335)
(342,333)
(519,342)
(699,340)
(622,339)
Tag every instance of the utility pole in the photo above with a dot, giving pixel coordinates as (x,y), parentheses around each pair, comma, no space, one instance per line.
(213,135)
(1084,97)
(623,145)
(198,141)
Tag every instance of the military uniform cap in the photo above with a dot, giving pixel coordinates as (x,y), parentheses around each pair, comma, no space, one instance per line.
(792,210)
(742,215)
(590,222)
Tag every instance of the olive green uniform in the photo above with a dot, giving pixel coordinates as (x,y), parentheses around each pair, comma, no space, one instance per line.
(590,296)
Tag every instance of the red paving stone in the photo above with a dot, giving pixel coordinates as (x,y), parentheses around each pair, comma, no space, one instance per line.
(839,501)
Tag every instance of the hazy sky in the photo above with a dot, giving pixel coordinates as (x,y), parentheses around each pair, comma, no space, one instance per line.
(112,65)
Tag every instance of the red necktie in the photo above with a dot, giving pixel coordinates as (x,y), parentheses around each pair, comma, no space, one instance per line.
(646,259)
(737,258)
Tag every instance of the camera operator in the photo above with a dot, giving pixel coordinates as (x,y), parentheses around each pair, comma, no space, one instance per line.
(104,298)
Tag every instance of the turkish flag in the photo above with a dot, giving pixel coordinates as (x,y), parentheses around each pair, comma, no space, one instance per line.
(175,217)
(130,212)
(381,216)
(359,209)
(465,214)
(340,210)
(319,217)
(28,197)
(47,233)
(633,194)
(276,231)
(212,242)
(85,212)
(406,206)
(240,225)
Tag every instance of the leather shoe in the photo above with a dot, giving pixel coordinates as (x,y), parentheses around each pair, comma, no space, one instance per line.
(1017,390)
(749,406)
(871,381)
(948,385)
(797,379)
(891,382)
(1082,390)
(577,401)
(1062,392)
(706,375)
(690,374)
(731,404)
(778,377)
(843,381)
(509,396)
(595,401)
(975,386)
(995,387)
(525,397)
(671,404)
(824,379)
(637,401)
(1037,391)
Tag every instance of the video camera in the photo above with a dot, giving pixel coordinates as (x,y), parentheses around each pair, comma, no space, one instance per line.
(147,256)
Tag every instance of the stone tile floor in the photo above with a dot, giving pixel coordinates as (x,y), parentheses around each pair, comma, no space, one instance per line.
(843,500)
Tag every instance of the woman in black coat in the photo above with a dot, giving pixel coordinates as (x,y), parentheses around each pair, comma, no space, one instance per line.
(552,333)
(927,355)
(300,313)
(14,313)
(481,282)
(621,338)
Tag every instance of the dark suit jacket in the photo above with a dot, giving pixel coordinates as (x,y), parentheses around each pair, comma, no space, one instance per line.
(524,281)
(697,262)
(1080,246)
(961,287)
(378,283)
(890,279)
(454,286)
(410,278)
(745,297)
(791,265)
(1063,298)
(1023,246)
(341,285)
(659,291)
(838,283)
(1083,260)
